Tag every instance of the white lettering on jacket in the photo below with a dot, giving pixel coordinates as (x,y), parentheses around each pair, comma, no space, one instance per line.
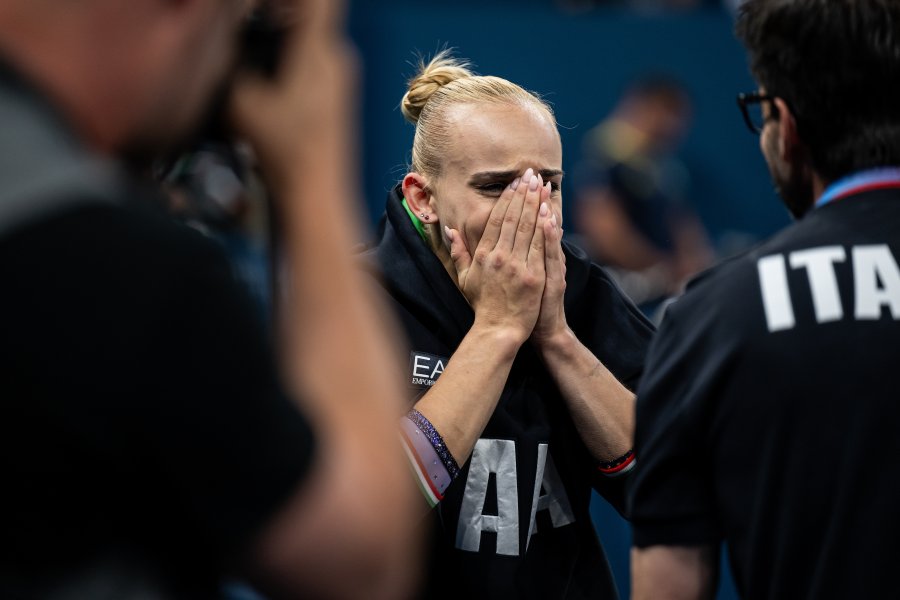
(876,284)
(499,457)
(426,368)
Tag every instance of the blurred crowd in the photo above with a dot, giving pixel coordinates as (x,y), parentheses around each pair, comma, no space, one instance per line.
(633,194)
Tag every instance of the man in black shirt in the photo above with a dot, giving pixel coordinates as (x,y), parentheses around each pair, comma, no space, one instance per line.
(148,444)
(768,413)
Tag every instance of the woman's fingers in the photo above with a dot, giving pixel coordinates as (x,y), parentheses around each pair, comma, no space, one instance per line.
(528,220)
(510,224)
(535,250)
(498,214)
(552,315)
(459,254)
(555,259)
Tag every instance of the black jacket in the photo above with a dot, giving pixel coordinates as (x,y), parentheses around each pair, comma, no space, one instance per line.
(145,438)
(562,558)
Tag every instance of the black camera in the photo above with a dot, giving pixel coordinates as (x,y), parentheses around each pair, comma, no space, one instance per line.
(262,41)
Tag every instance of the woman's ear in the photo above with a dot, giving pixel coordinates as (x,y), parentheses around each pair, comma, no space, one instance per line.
(418,197)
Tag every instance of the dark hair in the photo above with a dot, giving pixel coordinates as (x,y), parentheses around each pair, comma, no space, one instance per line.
(836,63)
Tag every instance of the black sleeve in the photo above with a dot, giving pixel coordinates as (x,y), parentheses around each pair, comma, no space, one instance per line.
(142,388)
(613,489)
(671,496)
(225,431)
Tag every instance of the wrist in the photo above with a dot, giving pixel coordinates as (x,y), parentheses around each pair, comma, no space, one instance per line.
(562,343)
(505,340)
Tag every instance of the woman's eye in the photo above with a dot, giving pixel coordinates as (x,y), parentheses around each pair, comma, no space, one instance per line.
(494,189)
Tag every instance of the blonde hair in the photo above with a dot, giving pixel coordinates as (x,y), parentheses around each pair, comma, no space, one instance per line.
(439,85)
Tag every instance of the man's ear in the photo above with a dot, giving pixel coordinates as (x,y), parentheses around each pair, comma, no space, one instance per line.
(790,146)
(418,197)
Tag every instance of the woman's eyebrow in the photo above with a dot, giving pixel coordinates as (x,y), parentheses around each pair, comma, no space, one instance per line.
(547,174)
(489,176)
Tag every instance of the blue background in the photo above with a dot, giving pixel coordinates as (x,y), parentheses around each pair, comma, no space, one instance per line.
(580,63)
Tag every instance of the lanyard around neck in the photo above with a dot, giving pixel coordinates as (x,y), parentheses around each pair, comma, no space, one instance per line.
(864,181)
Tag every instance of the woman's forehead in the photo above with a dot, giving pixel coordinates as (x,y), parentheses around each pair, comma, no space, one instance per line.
(500,137)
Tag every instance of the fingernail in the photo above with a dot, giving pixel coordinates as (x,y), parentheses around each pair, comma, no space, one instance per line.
(449,233)
(533,184)
(549,187)
(528,174)
(515,183)
(545,210)
(553,220)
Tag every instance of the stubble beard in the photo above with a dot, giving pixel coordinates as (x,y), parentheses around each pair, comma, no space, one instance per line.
(791,183)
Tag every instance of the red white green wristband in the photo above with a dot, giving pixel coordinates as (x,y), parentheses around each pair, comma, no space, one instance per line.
(619,466)
(422,445)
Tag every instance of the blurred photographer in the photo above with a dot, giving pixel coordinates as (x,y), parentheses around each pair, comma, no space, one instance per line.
(149,444)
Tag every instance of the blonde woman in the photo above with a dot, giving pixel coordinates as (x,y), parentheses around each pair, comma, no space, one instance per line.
(523,354)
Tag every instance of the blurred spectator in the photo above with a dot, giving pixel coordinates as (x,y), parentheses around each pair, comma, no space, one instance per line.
(631,209)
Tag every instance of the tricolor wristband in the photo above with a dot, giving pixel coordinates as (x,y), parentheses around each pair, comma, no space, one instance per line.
(424,448)
(619,466)
(430,473)
(437,442)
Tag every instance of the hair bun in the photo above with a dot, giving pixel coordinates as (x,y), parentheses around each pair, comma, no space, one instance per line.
(441,70)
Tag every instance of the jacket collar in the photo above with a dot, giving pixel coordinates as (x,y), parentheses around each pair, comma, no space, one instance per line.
(414,275)
(43,166)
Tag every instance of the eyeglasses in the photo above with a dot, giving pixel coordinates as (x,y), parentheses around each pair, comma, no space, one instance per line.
(751,108)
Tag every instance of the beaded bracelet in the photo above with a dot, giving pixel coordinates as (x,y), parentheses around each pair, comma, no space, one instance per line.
(436,441)
(429,471)
(619,466)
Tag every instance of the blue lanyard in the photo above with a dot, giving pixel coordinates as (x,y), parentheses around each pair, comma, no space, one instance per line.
(864,181)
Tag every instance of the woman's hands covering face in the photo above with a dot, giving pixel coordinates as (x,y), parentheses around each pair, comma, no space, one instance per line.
(505,279)
(552,318)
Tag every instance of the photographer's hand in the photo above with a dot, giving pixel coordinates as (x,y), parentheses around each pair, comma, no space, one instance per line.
(347,534)
(307,111)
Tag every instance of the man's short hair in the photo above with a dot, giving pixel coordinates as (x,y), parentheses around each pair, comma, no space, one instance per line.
(836,63)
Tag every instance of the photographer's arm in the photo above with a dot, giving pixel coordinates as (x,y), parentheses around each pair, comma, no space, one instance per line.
(346,533)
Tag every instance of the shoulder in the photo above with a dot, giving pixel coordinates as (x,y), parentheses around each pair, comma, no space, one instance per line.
(135,228)
(107,255)
(722,299)
(735,297)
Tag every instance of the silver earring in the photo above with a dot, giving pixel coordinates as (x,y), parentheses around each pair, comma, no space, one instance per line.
(424,218)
